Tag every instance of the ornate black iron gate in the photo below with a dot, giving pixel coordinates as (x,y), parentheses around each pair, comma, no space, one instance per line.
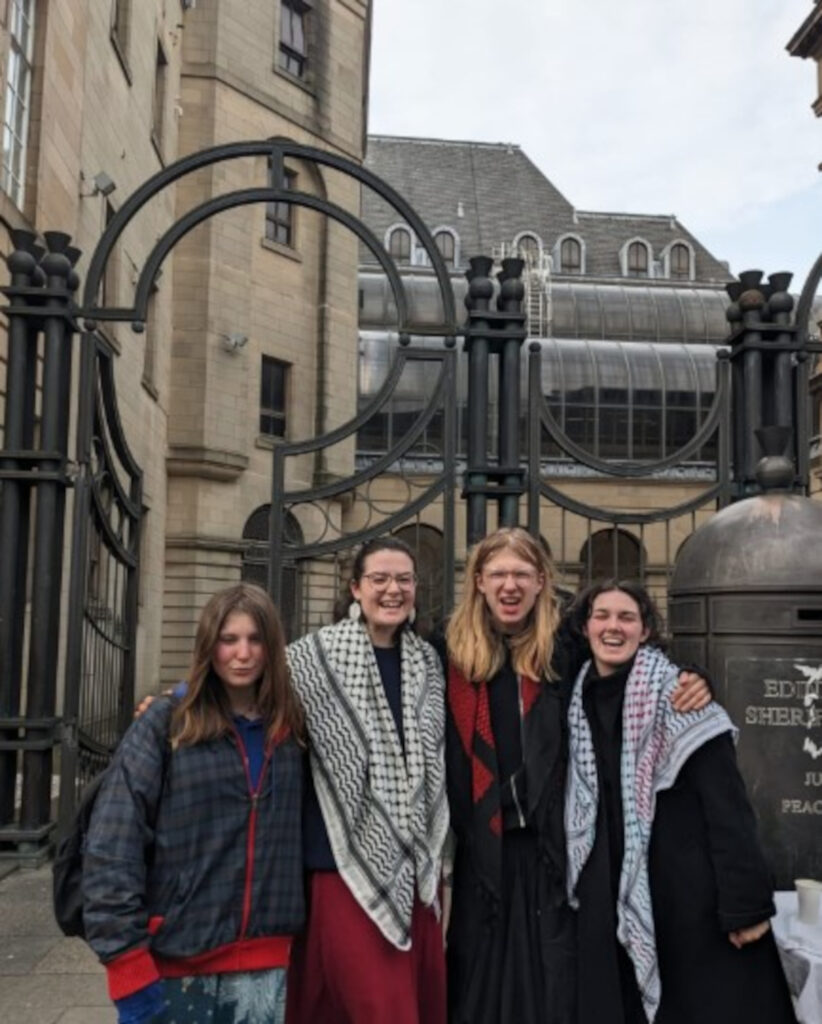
(307,533)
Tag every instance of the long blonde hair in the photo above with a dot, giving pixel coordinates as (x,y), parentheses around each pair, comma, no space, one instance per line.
(475,647)
(204,712)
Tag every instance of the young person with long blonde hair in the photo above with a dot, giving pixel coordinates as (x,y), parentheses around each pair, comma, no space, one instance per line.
(512,663)
(192,876)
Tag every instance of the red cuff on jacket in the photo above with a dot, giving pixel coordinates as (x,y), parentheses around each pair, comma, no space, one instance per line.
(130,972)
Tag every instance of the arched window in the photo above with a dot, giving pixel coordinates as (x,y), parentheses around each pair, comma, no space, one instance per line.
(399,245)
(255,564)
(528,248)
(680,261)
(427,544)
(570,256)
(446,244)
(637,259)
(610,553)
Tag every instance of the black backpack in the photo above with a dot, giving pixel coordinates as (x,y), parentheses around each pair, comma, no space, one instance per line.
(67,869)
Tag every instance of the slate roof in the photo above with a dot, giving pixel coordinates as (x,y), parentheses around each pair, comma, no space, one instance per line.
(489,193)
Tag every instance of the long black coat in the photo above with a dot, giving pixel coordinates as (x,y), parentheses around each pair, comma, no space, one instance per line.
(523,914)
(708,877)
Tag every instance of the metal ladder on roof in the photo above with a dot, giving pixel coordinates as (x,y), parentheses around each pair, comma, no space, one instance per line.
(538,306)
(536,276)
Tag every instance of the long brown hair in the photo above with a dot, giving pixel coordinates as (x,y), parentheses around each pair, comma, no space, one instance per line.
(474,645)
(204,713)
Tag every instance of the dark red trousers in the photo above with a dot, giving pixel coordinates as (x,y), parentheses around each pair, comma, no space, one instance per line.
(344,971)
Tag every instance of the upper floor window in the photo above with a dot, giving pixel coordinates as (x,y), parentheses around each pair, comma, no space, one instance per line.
(570,256)
(447,246)
(399,245)
(293,56)
(680,261)
(637,260)
(120,31)
(528,248)
(159,107)
(18,99)
(273,394)
(279,216)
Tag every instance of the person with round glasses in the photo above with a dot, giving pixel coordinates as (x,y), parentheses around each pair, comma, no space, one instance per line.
(512,662)
(376,815)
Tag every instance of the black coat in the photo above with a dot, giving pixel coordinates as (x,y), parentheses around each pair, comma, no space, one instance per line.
(708,877)
(523,914)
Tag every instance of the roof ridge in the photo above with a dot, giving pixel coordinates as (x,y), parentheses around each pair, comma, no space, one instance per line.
(662,217)
(508,146)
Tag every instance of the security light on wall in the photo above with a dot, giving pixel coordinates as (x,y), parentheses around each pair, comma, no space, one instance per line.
(102,185)
(234,342)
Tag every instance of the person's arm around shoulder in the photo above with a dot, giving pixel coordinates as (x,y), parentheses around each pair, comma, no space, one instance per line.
(114,862)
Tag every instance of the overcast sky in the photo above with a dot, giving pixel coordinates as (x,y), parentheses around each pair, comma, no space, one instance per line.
(692,107)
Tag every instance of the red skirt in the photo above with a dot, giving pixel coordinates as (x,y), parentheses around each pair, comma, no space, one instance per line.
(344,971)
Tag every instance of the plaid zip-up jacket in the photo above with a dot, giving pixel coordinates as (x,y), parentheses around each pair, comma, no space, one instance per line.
(186,870)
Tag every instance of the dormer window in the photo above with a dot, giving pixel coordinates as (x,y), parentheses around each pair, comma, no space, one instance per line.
(399,245)
(570,256)
(446,243)
(528,248)
(637,260)
(680,261)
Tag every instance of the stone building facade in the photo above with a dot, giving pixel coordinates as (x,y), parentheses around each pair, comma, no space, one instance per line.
(807,44)
(98,96)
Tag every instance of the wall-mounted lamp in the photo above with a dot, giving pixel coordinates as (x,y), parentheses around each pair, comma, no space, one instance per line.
(103,185)
(234,342)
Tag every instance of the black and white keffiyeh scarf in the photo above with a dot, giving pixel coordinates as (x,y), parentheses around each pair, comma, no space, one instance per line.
(386,814)
(656,742)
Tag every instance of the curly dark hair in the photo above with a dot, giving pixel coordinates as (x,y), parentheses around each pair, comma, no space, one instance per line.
(580,610)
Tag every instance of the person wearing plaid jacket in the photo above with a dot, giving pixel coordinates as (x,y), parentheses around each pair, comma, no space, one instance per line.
(192,874)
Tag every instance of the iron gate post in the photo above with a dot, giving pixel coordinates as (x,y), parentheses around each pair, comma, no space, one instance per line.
(41,692)
(512,475)
(16,462)
(499,332)
(478,304)
(768,358)
(40,303)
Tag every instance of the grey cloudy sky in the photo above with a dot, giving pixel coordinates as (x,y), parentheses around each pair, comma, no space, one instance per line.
(692,107)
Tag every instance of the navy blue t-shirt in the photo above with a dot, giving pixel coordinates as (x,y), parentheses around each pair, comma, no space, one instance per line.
(251,733)
(317,853)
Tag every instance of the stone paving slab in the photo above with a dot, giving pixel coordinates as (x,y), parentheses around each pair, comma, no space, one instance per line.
(45,978)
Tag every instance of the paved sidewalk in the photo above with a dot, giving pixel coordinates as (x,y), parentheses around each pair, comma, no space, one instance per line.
(45,978)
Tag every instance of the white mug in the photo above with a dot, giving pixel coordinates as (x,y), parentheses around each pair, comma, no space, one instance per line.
(808,893)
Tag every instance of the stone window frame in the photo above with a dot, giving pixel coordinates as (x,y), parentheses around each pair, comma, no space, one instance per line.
(280,218)
(17,102)
(667,262)
(395,231)
(159,100)
(444,230)
(120,33)
(285,53)
(632,245)
(274,412)
(518,238)
(560,263)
